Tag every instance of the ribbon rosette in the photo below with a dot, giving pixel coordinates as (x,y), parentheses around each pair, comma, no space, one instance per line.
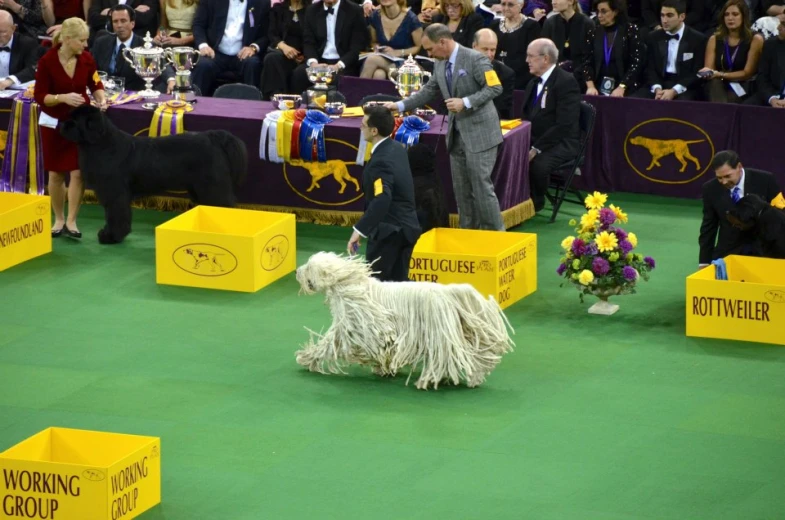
(23,155)
(312,144)
(168,118)
(409,131)
(268,138)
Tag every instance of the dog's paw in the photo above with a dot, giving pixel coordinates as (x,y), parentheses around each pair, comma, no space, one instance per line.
(106,237)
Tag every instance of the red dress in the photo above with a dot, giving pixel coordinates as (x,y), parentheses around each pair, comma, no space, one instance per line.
(61,155)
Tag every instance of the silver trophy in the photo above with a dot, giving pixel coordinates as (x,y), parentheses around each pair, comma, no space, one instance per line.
(148,62)
(408,78)
(183,59)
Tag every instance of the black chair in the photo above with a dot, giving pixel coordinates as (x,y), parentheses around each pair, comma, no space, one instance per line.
(238,91)
(379,97)
(563,175)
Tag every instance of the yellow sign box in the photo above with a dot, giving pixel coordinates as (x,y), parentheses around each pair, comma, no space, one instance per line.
(748,306)
(25,228)
(225,248)
(65,474)
(496,263)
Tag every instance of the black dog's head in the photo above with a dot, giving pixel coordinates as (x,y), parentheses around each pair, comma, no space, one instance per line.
(88,125)
(745,214)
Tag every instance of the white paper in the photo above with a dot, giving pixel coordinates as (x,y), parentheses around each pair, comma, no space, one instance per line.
(47,121)
(8,93)
(687,56)
(737,88)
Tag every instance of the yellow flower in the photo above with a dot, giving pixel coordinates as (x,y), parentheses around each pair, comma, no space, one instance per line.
(589,219)
(632,239)
(606,241)
(596,200)
(576,264)
(573,222)
(586,277)
(620,215)
(567,242)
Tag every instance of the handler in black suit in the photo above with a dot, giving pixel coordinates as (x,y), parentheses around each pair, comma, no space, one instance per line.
(230,34)
(553,106)
(676,55)
(485,41)
(334,34)
(99,19)
(732,182)
(107,51)
(390,220)
(18,54)
(771,73)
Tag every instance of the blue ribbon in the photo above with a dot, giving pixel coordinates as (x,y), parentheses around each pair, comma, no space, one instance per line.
(312,132)
(720,269)
(410,129)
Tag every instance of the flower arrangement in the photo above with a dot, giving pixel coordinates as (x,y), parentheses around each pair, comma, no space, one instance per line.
(600,259)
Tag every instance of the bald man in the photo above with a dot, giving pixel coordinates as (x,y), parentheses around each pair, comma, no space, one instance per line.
(485,41)
(18,54)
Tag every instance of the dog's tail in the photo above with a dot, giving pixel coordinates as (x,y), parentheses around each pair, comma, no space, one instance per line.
(236,154)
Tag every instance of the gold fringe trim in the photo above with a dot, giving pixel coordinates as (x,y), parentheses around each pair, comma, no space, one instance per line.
(511,217)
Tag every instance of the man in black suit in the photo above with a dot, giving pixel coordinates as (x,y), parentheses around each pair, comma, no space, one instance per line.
(334,34)
(108,49)
(390,220)
(771,73)
(18,54)
(698,15)
(675,56)
(231,36)
(485,41)
(552,105)
(99,18)
(732,182)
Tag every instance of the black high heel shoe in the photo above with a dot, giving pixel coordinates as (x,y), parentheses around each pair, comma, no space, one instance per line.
(76,235)
(57,232)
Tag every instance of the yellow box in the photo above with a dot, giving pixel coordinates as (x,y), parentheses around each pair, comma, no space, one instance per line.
(496,263)
(25,228)
(748,306)
(225,248)
(65,474)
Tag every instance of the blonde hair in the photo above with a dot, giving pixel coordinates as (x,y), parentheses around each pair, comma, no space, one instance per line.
(71,28)
(467,7)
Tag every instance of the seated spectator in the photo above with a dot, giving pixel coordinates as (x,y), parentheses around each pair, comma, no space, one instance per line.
(395,31)
(732,55)
(177,23)
(146,16)
(773,14)
(459,16)
(287,20)
(230,36)
(770,82)
(32,17)
(515,32)
(485,42)
(675,56)
(22,57)
(696,15)
(425,9)
(429,198)
(615,64)
(108,49)
(569,32)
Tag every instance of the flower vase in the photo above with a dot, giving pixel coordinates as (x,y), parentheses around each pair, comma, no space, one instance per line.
(604,307)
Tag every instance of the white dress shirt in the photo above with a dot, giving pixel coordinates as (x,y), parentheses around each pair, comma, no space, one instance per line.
(373,149)
(232,41)
(5,63)
(740,185)
(673,58)
(544,78)
(330,50)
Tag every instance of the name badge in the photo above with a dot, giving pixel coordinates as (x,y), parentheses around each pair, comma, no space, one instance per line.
(687,56)
(607,85)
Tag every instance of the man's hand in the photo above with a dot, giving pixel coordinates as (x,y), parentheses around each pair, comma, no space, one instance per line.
(454,105)
(334,67)
(392,107)
(667,95)
(5,84)
(207,51)
(617,92)
(170,85)
(591,91)
(537,14)
(778,103)
(246,52)
(142,8)
(288,51)
(354,244)
(53,29)
(532,154)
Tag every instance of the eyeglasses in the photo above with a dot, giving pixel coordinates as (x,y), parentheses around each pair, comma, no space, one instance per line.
(509,4)
(532,56)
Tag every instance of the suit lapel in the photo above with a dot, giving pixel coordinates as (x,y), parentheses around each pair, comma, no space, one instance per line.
(779,52)
(547,86)
(14,58)
(460,59)
(221,14)
(662,45)
(339,22)
(680,51)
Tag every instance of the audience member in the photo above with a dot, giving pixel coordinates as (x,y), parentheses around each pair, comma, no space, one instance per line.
(515,32)
(32,17)
(395,31)
(770,82)
(287,20)
(177,23)
(460,17)
(99,19)
(18,64)
(696,15)
(569,30)
(485,42)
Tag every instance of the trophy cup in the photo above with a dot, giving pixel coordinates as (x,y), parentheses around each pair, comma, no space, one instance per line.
(323,90)
(147,61)
(183,60)
(408,78)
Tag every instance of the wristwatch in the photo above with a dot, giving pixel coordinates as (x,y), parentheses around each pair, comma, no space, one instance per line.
(622,86)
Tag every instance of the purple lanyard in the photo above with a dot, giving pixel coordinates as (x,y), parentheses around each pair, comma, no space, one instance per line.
(731,58)
(608,50)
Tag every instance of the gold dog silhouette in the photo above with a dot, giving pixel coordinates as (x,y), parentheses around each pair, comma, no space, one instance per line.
(319,170)
(662,148)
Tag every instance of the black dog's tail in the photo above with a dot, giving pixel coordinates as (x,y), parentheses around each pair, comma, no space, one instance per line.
(236,154)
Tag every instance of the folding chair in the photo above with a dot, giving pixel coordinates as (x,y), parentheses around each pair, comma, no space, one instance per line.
(238,91)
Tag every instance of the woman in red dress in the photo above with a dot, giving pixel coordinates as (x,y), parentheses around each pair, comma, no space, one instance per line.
(64,74)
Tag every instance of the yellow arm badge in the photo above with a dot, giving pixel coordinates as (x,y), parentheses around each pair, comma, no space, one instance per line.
(96,78)
(491,78)
(779,201)
(377,187)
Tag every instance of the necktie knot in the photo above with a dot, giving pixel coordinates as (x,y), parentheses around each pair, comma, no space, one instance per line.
(672,36)
(735,194)
(330,10)
(5,49)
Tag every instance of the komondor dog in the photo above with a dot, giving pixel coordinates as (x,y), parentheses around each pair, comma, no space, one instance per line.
(449,332)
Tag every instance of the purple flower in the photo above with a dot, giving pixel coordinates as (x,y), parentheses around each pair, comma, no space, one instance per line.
(600,266)
(592,249)
(578,247)
(625,246)
(560,270)
(620,234)
(649,261)
(607,217)
(629,273)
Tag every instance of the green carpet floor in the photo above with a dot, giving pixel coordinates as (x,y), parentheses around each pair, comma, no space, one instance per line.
(590,418)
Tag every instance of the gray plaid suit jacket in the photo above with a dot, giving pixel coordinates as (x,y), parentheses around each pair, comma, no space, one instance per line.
(478,126)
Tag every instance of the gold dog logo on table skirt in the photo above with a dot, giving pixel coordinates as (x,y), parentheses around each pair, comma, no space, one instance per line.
(305,177)
(204,259)
(649,147)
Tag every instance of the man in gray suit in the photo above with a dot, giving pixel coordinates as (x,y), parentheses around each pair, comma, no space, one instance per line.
(466,80)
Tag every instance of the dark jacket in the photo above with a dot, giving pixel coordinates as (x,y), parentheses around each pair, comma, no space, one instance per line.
(559,121)
(771,70)
(689,59)
(503,102)
(629,61)
(103,49)
(351,33)
(24,57)
(147,21)
(210,23)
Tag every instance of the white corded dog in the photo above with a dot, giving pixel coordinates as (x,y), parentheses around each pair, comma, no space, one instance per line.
(449,332)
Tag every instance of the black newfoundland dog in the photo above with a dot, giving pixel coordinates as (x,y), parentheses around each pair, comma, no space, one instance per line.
(119,167)
(757,216)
